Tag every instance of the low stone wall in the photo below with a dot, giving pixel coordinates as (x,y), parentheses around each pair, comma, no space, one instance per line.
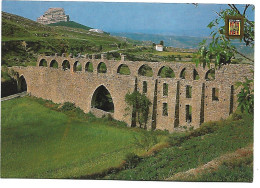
(101,113)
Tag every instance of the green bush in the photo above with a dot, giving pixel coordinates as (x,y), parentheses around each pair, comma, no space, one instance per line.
(68,106)
(131,160)
(235,116)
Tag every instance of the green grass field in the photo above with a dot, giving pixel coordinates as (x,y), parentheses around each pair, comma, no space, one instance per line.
(40,142)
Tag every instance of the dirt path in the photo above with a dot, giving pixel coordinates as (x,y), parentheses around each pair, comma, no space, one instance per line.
(193,174)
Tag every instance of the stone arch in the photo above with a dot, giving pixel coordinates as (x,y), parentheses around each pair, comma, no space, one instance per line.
(183,73)
(22,85)
(195,75)
(54,64)
(166,72)
(43,63)
(65,65)
(102,68)
(210,75)
(89,67)
(102,99)
(123,69)
(145,70)
(77,67)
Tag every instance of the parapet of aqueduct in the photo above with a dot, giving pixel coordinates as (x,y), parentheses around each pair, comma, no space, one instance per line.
(210,99)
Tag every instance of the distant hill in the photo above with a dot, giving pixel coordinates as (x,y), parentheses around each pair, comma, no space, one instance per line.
(181,41)
(23,40)
(71,24)
(169,40)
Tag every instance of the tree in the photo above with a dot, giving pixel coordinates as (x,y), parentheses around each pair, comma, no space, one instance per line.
(220,48)
(140,104)
(100,48)
(161,42)
(246,96)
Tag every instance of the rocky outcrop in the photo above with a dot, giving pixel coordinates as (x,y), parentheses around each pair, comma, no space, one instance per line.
(53,15)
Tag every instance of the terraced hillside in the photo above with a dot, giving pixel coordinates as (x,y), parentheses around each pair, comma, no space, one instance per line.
(24,39)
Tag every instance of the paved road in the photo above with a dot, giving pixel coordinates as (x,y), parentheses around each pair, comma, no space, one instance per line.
(14,96)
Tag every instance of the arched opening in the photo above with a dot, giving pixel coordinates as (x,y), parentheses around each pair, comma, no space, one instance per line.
(123,69)
(22,85)
(145,70)
(54,64)
(183,73)
(65,65)
(195,75)
(166,72)
(210,75)
(43,63)
(89,67)
(102,68)
(77,67)
(102,100)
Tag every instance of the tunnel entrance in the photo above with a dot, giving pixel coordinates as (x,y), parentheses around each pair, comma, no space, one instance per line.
(102,100)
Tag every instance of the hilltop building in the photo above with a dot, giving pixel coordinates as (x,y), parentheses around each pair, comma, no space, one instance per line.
(53,15)
(159,47)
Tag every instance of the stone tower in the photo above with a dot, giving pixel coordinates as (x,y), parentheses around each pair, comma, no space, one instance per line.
(53,15)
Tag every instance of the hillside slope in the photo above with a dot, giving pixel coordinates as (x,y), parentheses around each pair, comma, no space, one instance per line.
(71,24)
(23,40)
(194,150)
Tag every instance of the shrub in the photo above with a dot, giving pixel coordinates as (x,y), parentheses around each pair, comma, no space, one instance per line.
(131,160)
(235,116)
(68,106)
(145,141)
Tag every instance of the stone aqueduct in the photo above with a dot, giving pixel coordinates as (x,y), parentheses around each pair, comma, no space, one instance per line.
(209,100)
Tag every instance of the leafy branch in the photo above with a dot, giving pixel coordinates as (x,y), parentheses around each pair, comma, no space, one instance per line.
(220,47)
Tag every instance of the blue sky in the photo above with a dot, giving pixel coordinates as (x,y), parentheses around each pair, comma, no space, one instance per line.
(156,18)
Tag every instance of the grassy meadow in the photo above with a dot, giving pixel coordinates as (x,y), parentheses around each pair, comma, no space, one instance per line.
(40,141)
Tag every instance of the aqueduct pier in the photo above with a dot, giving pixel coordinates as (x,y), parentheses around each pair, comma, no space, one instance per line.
(192,96)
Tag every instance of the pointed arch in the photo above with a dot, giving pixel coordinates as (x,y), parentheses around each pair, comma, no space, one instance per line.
(183,73)
(102,68)
(102,99)
(77,67)
(89,67)
(43,63)
(145,70)
(195,75)
(22,85)
(166,72)
(123,69)
(54,64)
(65,65)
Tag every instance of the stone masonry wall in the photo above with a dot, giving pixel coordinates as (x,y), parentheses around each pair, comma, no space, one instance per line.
(78,87)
